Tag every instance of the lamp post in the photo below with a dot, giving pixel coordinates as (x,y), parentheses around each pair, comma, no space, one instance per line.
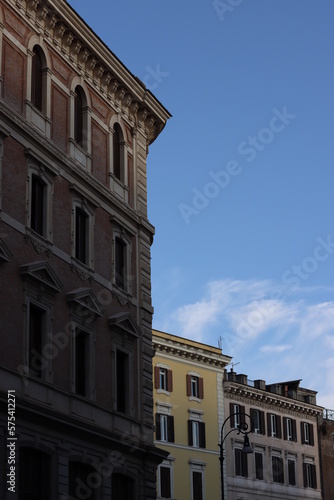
(241,428)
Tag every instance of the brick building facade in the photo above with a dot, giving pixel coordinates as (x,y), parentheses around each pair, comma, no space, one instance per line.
(75,289)
(326,446)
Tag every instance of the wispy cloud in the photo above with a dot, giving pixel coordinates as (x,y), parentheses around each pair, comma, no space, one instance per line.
(272,331)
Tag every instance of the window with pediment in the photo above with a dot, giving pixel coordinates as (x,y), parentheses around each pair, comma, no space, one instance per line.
(40,285)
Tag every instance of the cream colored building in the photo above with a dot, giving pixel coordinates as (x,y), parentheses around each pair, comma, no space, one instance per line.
(189,412)
(285,459)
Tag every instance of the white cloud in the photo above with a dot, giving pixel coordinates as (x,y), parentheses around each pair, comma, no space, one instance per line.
(259,318)
(275,348)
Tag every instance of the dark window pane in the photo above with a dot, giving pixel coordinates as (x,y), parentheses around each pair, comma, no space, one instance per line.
(37,204)
(36,320)
(278,473)
(292,472)
(120,262)
(117,151)
(165,485)
(81,363)
(37,79)
(197,486)
(121,380)
(78,117)
(81,219)
(122,487)
(34,480)
(259,465)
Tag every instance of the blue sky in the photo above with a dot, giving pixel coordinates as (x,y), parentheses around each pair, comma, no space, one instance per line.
(241,181)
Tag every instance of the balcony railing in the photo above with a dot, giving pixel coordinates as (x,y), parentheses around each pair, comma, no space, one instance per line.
(329,414)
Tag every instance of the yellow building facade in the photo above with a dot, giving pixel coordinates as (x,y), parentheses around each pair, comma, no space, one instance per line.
(189,412)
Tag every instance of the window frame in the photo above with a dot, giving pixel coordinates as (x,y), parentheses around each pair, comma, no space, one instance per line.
(240,462)
(194,385)
(168,465)
(86,209)
(89,383)
(277,469)
(289,461)
(197,466)
(120,235)
(196,433)
(44,177)
(258,453)
(164,428)
(46,466)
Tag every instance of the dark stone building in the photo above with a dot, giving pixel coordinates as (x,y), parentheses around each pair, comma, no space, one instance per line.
(75,287)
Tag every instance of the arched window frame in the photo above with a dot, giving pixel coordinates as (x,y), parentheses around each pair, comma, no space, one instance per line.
(38,112)
(80,124)
(118,159)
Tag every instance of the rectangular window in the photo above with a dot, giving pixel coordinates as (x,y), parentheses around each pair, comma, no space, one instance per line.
(37,208)
(258,465)
(257,417)
(163,378)
(165,482)
(197,485)
(78,474)
(81,363)
(289,429)
(241,465)
(81,235)
(164,428)
(278,473)
(310,477)
(237,414)
(292,472)
(196,434)
(274,425)
(307,433)
(122,381)
(195,386)
(120,263)
(36,334)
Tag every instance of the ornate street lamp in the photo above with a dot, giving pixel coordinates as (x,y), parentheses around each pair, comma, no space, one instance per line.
(242,428)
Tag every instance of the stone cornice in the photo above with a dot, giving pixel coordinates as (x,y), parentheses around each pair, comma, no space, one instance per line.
(186,351)
(248,395)
(64,30)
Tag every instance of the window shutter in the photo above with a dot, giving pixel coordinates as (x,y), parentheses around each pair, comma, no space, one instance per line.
(170,429)
(244,462)
(157,427)
(294,431)
(259,465)
(279,426)
(305,475)
(200,388)
(302,432)
(281,471)
(262,424)
(285,430)
(165,482)
(269,424)
(314,476)
(169,380)
(252,413)
(156,378)
(202,442)
(242,415)
(188,379)
(190,433)
(291,472)
(237,462)
(231,413)
(311,433)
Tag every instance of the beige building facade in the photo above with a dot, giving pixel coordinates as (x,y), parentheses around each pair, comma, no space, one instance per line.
(189,412)
(284,438)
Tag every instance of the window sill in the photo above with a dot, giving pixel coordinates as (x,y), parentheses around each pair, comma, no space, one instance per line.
(163,391)
(193,398)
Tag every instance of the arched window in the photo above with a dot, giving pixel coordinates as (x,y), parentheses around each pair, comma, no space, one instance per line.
(117,157)
(79,116)
(37,87)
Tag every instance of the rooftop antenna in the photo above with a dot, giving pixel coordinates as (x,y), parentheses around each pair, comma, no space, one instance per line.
(220,343)
(234,364)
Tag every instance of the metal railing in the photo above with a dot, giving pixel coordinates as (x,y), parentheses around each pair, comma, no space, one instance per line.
(328,414)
